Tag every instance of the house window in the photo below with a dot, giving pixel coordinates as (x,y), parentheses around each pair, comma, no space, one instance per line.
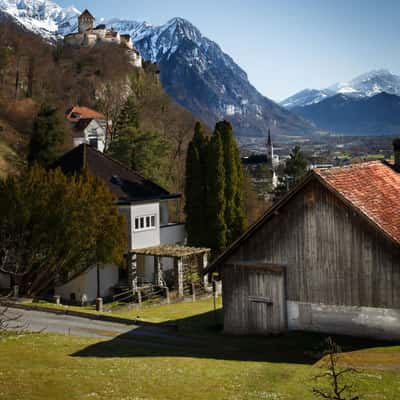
(144,223)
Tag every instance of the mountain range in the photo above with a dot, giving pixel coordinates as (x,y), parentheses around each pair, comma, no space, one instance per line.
(367,105)
(365,85)
(367,115)
(195,72)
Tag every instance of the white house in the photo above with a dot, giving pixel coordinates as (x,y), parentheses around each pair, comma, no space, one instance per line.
(145,206)
(88,126)
(90,131)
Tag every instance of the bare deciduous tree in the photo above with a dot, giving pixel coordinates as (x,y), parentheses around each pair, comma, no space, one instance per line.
(336,380)
(10,321)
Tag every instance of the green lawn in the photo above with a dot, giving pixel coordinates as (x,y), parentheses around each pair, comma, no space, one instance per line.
(198,363)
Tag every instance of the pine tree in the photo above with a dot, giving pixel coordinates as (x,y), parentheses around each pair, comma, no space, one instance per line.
(145,152)
(215,201)
(195,188)
(238,226)
(128,117)
(47,137)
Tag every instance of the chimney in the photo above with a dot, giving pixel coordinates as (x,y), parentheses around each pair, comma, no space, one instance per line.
(396,148)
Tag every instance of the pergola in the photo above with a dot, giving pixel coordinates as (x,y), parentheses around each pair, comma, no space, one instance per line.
(178,253)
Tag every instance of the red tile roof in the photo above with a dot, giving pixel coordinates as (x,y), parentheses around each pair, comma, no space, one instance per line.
(371,187)
(84,112)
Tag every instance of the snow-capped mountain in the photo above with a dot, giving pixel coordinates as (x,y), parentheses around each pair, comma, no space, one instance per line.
(306,97)
(199,76)
(195,72)
(366,85)
(368,115)
(41,16)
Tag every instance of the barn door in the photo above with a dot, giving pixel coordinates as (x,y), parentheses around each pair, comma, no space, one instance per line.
(266,302)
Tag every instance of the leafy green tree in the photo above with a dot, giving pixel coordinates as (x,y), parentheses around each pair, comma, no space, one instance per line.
(196,188)
(47,137)
(215,198)
(145,152)
(53,227)
(295,169)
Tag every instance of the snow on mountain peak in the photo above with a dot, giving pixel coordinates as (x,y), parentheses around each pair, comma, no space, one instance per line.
(365,85)
(43,17)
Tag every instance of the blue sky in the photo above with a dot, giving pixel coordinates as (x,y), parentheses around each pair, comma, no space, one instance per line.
(283,45)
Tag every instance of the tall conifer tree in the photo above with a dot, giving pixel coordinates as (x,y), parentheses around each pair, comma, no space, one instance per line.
(195,188)
(128,117)
(234,210)
(215,202)
(239,220)
(47,137)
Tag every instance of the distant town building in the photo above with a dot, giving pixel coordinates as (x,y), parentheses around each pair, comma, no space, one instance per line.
(272,160)
(88,36)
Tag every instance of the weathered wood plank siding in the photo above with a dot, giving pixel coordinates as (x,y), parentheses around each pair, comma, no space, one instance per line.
(333,255)
(254,300)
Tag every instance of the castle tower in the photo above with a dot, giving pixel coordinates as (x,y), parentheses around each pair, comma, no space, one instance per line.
(86,21)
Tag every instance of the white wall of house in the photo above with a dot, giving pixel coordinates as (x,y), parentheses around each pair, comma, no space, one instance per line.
(145,237)
(94,134)
(86,283)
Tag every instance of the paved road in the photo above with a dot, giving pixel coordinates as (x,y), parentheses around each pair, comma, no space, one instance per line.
(37,321)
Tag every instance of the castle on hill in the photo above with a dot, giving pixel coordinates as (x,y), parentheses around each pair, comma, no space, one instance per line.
(88,36)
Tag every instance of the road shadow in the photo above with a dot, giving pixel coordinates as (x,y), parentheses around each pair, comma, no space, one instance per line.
(201,336)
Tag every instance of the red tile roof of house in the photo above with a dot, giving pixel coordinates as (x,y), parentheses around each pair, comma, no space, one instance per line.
(371,187)
(84,112)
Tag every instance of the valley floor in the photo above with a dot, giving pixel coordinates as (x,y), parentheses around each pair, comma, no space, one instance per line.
(193,362)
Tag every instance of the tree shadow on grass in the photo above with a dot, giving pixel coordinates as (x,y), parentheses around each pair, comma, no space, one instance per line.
(201,336)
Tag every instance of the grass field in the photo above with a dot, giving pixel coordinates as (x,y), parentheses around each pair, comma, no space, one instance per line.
(200,363)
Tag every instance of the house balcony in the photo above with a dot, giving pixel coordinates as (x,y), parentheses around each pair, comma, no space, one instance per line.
(172,234)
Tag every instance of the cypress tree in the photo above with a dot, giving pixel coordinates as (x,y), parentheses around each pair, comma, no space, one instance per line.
(215,201)
(239,220)
(195,188)
(234,210)
(47,137)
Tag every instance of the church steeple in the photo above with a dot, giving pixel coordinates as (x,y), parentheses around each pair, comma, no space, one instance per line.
(271,161)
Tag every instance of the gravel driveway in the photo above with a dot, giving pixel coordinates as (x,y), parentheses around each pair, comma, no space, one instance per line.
(37,321)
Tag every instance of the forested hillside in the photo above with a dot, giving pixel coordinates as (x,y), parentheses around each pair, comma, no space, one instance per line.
(33,72)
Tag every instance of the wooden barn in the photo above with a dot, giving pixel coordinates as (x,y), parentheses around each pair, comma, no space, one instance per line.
(326,258)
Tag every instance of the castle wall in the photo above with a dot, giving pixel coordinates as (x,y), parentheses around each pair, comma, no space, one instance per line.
(75,40)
